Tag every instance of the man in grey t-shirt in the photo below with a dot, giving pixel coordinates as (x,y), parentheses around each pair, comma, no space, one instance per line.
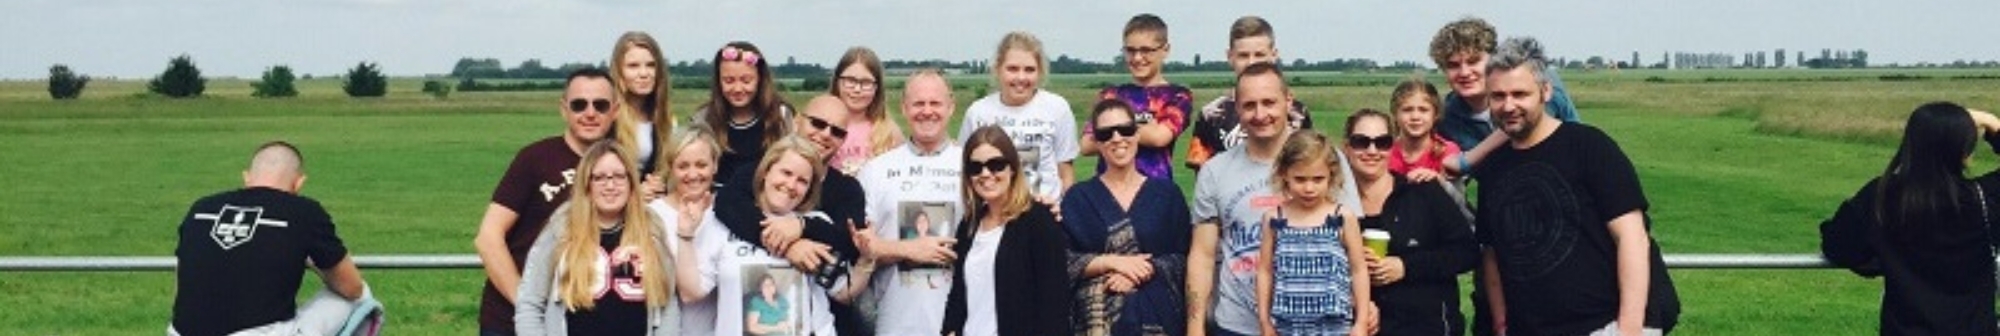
(1231,194)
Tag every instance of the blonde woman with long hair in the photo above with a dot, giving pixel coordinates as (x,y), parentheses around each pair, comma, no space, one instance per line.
(618,281)
(639,71)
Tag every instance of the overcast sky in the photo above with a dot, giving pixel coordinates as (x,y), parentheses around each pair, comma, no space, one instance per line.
(134,38)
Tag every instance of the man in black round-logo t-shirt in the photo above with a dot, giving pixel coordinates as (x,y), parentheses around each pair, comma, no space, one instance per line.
(240,252)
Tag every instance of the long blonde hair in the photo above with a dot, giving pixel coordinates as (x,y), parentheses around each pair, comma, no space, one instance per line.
(1016,200)
(886,135)
(577,251)
(663,119)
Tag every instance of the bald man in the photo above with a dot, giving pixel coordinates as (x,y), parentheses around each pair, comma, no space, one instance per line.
(240,252)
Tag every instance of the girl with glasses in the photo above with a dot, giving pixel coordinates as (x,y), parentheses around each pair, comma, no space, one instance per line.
(601,267)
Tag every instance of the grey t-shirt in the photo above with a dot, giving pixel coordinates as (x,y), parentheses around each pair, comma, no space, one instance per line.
(1234,191)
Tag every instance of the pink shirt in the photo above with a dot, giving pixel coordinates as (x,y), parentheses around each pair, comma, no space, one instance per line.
(1433,160)
(856,150)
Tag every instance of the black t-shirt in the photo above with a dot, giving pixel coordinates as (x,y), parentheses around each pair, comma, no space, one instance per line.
(241,254)
(536,182)
(621,304)
(746,146)
(1546,211)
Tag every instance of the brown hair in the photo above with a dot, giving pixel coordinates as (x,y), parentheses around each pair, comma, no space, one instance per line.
(770,107)
(1147,22)
(1017,199)
(578,248)
(663,120)
(1467,35)
(1411,88)
(886,135)
(1252,26)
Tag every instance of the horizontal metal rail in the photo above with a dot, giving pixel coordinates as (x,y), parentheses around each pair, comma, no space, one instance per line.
(469,261)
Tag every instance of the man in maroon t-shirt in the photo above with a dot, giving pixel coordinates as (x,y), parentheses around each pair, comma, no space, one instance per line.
(535,183)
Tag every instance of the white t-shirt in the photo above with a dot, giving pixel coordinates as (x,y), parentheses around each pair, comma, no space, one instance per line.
(728,267)
(900,184)
(1044,131)
(645,140)
(981,317)
(1235,191)
(697,318)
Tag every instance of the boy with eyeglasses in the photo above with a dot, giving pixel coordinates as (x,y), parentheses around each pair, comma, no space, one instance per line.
(535,183)
(1159,108)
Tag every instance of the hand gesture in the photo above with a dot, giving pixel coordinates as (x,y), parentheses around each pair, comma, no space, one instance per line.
(807,255)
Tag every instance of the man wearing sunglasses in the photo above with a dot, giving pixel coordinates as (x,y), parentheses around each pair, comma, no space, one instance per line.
(536,182)
(820,248)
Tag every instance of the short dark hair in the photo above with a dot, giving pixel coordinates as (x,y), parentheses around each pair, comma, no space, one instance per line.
(586,72)
(1108,105)
(1146,22)
(301,156)
(1260,69)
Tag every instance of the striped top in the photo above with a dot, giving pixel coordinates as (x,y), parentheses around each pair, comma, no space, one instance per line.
(1312,279)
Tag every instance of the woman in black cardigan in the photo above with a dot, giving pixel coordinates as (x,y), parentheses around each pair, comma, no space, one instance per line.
(1430,244)
(1010,278)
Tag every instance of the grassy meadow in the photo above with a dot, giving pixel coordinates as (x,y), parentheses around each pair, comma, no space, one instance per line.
(1737,161)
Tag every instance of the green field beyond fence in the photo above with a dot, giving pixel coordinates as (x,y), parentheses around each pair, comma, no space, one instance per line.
(1741,161)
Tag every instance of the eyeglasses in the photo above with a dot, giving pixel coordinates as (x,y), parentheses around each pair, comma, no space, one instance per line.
(856,83)
(1104,133)
(996,165)
(1360,142)
(821,124)
(1134,51)
(602,106)
(609,179)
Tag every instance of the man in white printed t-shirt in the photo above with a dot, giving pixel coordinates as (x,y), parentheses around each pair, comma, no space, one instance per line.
(914,208)
(1039,121)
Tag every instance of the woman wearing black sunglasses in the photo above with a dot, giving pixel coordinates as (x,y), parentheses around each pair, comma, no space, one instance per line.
(1429,243)
(1011,280)
(1129,237)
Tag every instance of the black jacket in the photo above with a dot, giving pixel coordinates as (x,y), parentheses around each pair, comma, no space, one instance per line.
(1032,294)
(840,198)
(1937,275)
(1436,245)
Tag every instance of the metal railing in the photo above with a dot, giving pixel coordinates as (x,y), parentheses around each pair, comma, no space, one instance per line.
(469,261)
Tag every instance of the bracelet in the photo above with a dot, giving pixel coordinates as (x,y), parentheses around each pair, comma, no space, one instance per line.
(1463,168)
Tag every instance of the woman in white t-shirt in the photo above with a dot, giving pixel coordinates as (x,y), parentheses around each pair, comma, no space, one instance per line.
(786,184)
(687,162)
(1040,122)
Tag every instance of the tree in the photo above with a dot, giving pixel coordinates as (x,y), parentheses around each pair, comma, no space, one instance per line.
(277,82)
(1197,60)
(1635,60)
(1780,54)
(65,84)
(438,89)
(365,80)
(1859,58)
(181,79)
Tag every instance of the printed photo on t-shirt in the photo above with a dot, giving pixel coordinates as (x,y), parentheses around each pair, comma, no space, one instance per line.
(1031,159)
(924,219)
(771,306)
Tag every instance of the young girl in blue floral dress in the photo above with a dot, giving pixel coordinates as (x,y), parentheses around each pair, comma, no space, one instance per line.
(1306,283)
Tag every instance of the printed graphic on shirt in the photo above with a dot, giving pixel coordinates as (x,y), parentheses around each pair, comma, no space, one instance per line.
(924,219)
(625,272)
(549,191)
(770,300)
(235,225)
(1030,158)
(1541,214)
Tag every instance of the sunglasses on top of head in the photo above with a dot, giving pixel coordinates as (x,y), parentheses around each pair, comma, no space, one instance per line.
(996,165)
(602,106)
(1103,133)
(822,124)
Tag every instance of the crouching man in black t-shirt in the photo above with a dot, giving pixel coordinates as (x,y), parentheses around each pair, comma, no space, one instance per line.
(240,253)
(1563,219)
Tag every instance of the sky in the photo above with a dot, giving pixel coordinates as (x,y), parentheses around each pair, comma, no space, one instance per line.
(240,38)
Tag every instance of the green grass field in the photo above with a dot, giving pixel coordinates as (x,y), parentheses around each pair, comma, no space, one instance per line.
(1730,167)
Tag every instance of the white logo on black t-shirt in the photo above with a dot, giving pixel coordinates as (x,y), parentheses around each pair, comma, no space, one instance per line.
(234,225)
